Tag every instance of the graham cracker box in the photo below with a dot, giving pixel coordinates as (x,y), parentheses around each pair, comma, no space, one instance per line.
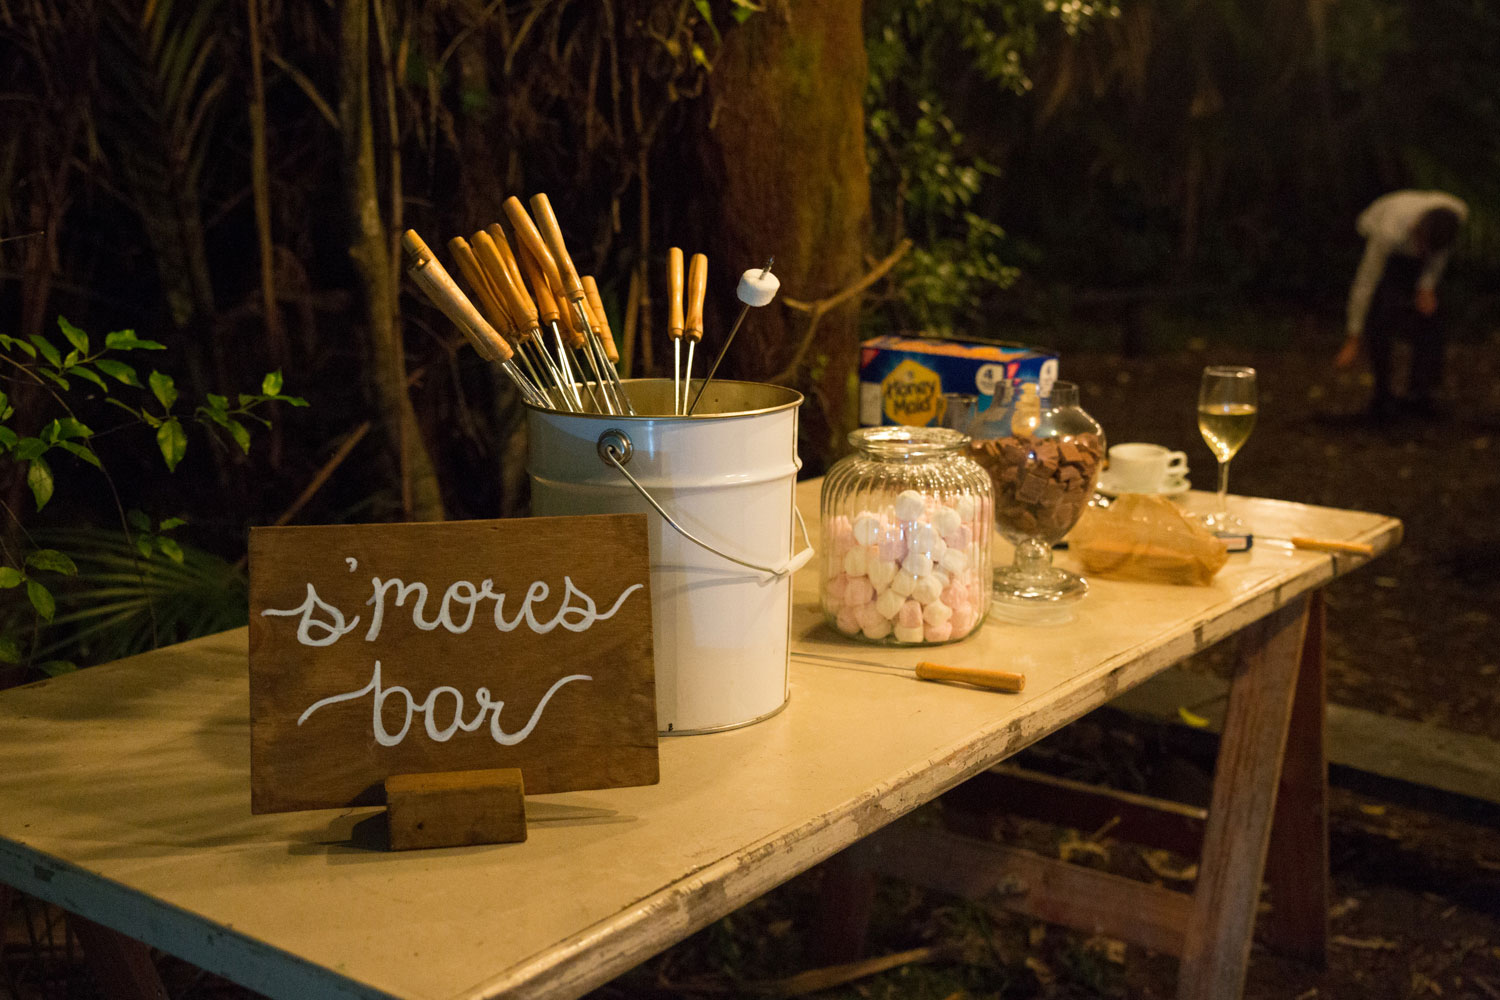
(902,379)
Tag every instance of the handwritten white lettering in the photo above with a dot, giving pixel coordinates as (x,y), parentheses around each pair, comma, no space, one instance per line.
(427,708)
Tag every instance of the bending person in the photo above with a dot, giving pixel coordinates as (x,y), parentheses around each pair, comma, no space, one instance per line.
(1408,237)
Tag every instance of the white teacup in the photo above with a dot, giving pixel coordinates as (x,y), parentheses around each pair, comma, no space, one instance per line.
(1138,467)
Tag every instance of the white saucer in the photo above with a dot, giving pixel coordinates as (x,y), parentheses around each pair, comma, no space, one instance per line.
(1111,489)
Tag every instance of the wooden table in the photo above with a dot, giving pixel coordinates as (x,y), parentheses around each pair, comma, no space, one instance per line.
(124,796)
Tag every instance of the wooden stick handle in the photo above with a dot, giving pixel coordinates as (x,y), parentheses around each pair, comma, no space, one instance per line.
(530,238)
(675,322)
(443,292)
(522,310)
(506,254)
(995,680)
(567,321)
(490,302)
(545,219)
(1330,545)
(546,305)
(601,321)
(697,287)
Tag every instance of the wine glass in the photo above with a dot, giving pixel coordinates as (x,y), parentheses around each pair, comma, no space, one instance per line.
(1226,415)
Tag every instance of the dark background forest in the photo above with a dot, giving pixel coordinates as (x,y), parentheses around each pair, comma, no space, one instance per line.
(228,180)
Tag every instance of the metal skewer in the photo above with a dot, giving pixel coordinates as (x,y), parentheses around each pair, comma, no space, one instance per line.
(522,311)
(440,289)
(697,287)
(531,239)
(572,288)
(490,303)
(727,341)
(675,324)
(548,312)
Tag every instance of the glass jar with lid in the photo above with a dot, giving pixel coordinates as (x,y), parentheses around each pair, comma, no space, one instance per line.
(906,537)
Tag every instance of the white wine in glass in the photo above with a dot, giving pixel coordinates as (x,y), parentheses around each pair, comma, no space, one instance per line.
(1226,415)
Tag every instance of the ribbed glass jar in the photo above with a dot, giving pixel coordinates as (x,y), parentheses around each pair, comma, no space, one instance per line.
(906,537)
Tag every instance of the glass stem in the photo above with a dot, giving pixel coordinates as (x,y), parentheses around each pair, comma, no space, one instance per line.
(1224,489)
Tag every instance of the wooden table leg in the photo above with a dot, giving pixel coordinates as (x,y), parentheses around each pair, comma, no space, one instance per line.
(121,965)
(1216,948)
(1297,864)
(846,898)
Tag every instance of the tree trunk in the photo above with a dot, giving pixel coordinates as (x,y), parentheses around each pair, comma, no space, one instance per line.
(369,248)
(783,152)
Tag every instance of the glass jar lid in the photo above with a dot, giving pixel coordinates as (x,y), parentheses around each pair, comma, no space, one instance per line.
(898,443)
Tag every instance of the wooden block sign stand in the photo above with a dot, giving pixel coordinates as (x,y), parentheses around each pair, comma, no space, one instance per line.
(430,665)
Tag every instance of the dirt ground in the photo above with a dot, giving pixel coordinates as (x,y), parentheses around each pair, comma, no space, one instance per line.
(1416,898)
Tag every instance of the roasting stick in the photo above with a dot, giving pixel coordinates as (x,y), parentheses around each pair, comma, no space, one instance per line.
(675,323)
(546,305)
(522,310)
(755,290)
(561,366)
(572,288)
(990,678)
(697,286)
(531,240)
(441,290)
(489,297)
(601,319)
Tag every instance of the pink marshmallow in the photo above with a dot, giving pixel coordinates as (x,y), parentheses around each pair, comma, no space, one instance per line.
(858,592)
(964,619)
(846,622)
(893,548)
(961,538)
(868,616)
(955,594)
(910,615)
(840,534)
(941,632)
(878,629)
(835,586)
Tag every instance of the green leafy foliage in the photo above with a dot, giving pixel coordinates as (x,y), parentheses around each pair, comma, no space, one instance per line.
(925,174)
(99,591)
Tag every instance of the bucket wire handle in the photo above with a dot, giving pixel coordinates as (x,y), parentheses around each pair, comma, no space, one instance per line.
(611,450)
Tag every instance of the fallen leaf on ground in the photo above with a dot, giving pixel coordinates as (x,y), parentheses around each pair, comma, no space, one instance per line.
(1308,995)
(1191,718)
(1038,968)
(1364,944)
(1370,810)
(1073,846)
(1160,862)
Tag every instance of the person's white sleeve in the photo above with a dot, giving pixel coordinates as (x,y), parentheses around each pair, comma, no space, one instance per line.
(1432,273)
(1371,267)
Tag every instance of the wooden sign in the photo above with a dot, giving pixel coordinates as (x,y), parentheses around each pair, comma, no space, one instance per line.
(414,648)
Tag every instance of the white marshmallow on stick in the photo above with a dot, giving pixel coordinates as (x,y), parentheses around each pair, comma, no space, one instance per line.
(755,290)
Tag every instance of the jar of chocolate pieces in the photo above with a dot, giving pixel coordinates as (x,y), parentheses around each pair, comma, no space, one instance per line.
(906,537)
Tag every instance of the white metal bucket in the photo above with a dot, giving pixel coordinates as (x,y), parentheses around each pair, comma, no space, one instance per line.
(719,491)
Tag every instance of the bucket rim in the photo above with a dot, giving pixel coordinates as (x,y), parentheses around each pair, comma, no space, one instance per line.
(794,400)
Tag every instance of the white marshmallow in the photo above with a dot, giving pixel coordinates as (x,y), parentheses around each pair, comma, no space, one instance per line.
(927,589)
(924,536)
(910,505)
(955,561)
(965,508)
(947,520)
(866,528)
(936,613)
(904,634)
(881,572)
(941,576)
(856,562)
(757,287)
(877,630)
(938,550)
(889,603)
(904,583)
(917,563)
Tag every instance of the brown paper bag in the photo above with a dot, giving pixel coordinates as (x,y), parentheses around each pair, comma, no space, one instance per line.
(1146,537)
